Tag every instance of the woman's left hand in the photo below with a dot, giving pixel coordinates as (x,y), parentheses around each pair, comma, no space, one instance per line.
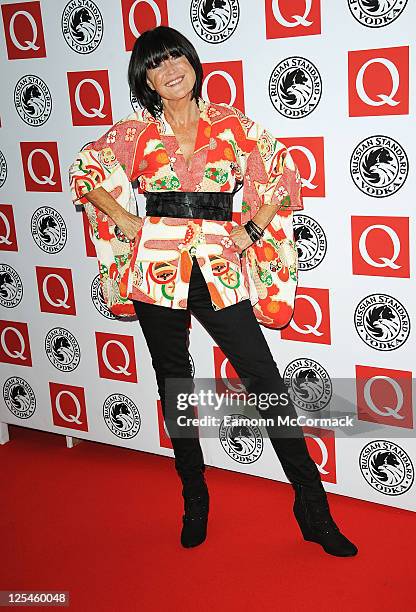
(240,238)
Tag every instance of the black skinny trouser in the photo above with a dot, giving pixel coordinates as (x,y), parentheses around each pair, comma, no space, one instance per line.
(237,332)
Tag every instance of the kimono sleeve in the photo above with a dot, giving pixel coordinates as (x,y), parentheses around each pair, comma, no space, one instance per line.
(272,171)
(101,162)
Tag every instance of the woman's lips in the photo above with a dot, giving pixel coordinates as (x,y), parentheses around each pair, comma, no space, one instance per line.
(175,81)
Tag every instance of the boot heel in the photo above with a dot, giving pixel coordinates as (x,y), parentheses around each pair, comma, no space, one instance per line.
(314,518)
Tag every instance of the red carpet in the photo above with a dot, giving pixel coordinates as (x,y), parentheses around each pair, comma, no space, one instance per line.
(103,523)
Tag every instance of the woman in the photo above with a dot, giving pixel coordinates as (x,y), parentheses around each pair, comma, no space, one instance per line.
(188,255)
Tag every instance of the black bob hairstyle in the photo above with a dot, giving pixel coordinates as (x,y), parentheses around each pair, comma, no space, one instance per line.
(150,50)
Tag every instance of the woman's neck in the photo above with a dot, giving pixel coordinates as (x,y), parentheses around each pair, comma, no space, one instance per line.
(181,113)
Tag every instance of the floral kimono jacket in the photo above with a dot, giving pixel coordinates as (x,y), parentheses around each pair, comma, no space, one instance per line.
(155,267)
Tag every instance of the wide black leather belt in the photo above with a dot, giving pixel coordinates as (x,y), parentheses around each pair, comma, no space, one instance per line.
(217,206)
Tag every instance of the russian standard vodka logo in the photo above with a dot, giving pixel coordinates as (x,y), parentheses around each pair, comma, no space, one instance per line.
(19,397)
(48,229)
(82,25)
(33,100)
(310,241)
(241,441)
(379,166)
(215,20)
(295,87)
(121,416)
(382,322)
(308,383)
(62,349)
(376,13)
(11,287)
(387,467)
(98,299)
(3,169)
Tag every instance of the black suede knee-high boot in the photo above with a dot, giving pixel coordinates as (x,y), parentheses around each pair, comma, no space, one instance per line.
(311,507)
(190,466)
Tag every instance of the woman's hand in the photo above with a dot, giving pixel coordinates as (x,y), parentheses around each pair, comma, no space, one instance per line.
(129,224)
(240,238)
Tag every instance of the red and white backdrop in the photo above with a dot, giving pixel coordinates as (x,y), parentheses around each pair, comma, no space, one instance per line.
(331,80)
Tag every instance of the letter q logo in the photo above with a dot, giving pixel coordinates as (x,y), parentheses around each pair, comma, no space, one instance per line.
(380,246)
(14,343)
(311,320)
(321,446)
(41,168)
(384,396)
(23,30)
(226,378)
(141,15)
(378,82)
(68,406)
(308,154)
(223,82)
(116,357)
(8,240)
(89,94)
(56,292)
(285,18)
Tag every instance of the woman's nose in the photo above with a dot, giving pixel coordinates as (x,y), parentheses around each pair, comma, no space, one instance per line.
(170,63)
(170,71)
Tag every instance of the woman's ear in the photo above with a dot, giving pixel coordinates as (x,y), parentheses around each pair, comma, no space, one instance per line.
(150,84)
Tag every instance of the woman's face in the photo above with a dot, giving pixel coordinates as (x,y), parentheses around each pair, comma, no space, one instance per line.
(173,79)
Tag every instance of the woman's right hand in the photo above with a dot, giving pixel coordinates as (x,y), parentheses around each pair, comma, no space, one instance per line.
(129,224)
